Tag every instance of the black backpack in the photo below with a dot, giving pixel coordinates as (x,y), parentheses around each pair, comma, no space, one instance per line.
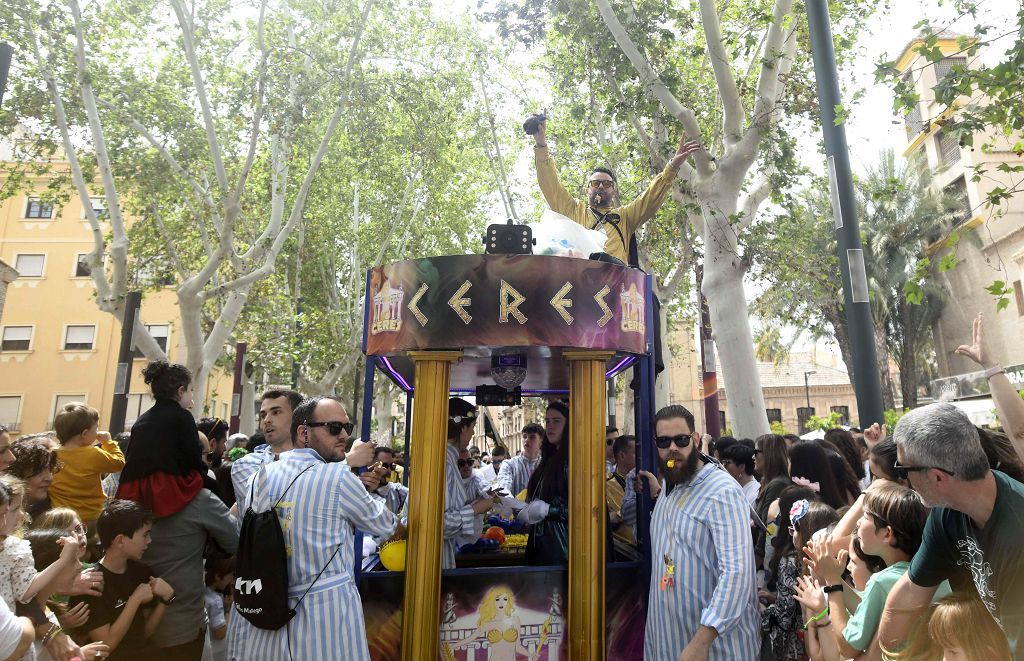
(261,566)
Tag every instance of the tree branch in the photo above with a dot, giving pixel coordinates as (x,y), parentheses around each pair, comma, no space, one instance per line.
(648,76)
(733,115)
(754,200)
(188,41)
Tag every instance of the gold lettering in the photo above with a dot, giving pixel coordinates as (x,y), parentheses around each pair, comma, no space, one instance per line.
(414,305)
(458,302)
(599,298)
(561,303)
(510,306)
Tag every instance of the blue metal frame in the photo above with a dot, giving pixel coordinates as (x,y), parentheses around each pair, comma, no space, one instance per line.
(364,431)
(408,434)
(644,423)
(366,308)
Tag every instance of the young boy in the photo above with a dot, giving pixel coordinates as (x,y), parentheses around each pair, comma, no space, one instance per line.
(79,483)
(890,528)
(133,600)
(220,573)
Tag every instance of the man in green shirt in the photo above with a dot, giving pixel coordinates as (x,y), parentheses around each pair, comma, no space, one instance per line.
(973,534)
(602,209)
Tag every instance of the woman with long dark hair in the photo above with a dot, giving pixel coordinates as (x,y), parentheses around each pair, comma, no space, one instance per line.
(547,493)
(809,466)
(772,464)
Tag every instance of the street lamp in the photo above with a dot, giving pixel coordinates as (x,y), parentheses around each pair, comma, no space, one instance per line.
(807,387)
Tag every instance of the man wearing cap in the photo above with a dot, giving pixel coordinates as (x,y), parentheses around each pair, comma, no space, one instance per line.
(460,508)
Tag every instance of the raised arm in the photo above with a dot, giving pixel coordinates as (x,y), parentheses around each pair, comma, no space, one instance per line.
(551,187)
(643,208)
(903,608)
(1008,402)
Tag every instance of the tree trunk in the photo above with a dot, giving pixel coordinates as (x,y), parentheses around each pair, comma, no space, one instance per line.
(247,408)
(881,346)
(730,322)
(908,364)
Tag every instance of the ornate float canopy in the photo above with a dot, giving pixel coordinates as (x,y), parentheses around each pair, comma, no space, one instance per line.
(537,305)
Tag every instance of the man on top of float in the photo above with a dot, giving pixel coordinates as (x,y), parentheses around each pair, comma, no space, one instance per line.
(599,211)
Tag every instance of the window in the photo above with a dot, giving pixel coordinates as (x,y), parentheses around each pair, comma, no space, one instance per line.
(10,411)
(948,148)
(30,266)
(82,268)
(958,189)
(943,66)
(1019,295)
(79,338)
(16,338)
(137,405)
(36,208)
(844,412)
(803,414)
(774,415)
(99,205)
(159,333)
(59,401)
(912,121)
(721,421)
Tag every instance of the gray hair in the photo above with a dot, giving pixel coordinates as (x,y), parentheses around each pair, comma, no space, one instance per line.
(940,435)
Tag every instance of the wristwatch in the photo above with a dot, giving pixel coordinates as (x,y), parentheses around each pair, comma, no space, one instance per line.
(829,589)
(167,602)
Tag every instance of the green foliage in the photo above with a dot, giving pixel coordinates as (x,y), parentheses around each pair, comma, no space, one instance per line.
(831,421)
(892,416)
(777,428)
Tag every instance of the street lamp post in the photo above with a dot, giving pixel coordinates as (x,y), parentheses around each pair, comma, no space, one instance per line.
(807,387)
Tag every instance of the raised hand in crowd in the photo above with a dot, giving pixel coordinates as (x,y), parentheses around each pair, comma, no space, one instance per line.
(874,435)
(1008,402)
(62,648)
(652,482)
(826,563)
(161,589)
(87,583)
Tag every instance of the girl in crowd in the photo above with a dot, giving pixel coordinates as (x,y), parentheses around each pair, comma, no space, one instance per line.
(844,476)
(781,620)
(809,466)
(957,628)
(547,493)
(164,467)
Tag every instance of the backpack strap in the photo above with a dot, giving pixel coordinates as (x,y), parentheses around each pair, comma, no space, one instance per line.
(263,474)
(322,569)
(602,219)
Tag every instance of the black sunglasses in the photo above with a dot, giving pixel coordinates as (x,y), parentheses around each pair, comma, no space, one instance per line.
(334,427)
(903,472)
(665,442)
(465,462)
(609,441)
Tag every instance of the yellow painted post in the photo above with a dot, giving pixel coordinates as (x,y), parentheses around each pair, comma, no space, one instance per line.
(587,414)
(421,606)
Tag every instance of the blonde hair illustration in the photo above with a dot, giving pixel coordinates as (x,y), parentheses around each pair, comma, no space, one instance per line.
(488,611)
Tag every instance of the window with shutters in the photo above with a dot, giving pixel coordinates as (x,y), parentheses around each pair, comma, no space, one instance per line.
(79,338)
(16,338)
(30,265)
(159,333)
(60,401)
(138,404)
(774,415)
(36,208)
(844,413)
(946,64)
(10,412)
(948,148)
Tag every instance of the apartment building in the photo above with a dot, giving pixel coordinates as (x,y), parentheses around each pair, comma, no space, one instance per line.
(56,346)
(991,247)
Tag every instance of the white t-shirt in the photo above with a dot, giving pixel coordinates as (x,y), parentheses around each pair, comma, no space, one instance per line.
(750,490)
(10,631)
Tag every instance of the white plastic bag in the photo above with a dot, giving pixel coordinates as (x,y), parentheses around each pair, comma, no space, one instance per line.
(557,235)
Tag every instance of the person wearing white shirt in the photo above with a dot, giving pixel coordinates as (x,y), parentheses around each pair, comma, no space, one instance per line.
(738,459)
(488,473)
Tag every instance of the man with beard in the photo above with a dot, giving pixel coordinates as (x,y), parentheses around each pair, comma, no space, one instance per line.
(973,533)
(325,503)
(703,602)
(602,210)
(515,472)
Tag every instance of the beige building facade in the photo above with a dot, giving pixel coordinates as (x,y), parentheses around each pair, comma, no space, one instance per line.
(56,346)
(991,246)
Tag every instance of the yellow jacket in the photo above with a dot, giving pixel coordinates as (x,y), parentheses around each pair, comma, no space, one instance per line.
(614,493)
(632,215)
(78,482)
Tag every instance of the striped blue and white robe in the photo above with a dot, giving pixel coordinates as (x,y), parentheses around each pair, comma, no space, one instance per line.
(703,529)
(459,517)
(514,475)
(318,515)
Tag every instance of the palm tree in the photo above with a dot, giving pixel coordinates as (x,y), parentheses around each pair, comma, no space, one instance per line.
(902,215)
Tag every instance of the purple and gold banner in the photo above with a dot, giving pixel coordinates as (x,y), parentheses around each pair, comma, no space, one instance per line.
(504,301)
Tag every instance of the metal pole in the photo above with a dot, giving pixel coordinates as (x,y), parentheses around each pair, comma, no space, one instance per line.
(807,388)
(236,388)
(851,255)
(123,378)
(297,343)
(5,66)
(707,364)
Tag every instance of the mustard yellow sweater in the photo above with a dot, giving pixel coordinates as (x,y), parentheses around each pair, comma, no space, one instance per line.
(78,482)
(632,215)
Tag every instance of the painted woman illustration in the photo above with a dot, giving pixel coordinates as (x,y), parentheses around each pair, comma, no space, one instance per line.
(499,624)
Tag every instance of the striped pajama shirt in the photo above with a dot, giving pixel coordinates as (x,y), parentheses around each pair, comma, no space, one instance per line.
(702,529)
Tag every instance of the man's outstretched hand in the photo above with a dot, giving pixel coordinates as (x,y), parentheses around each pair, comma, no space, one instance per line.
(685,149)
(976,351)
(540,137)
